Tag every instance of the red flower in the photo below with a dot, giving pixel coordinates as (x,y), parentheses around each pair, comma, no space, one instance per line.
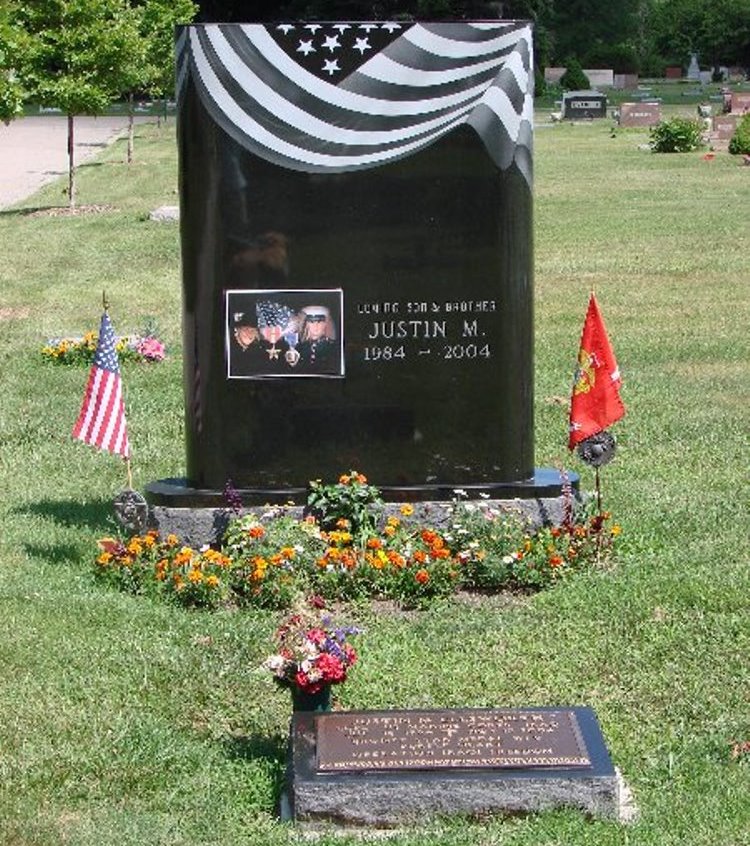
(331,668)
(422,577)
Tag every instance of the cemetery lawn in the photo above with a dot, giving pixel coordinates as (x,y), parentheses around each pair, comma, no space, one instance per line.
(126,721)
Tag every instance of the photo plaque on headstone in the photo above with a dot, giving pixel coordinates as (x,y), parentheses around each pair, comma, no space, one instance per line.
(380,173)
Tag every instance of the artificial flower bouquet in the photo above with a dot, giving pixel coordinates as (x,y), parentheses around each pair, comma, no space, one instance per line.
(312,651)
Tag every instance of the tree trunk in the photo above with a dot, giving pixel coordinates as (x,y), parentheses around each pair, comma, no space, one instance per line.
(71,163)
(131,120)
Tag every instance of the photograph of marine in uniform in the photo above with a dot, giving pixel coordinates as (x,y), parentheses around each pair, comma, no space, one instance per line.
(284,333)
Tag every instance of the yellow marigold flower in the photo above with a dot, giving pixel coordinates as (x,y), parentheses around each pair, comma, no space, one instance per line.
(407,510)
(172,540)
(342,523)
(389,531)
(135,547)
(394,521)
(149,540)
(212,581)
(195,576)
(616,530)
(287,552)
(104,558)
(333,553)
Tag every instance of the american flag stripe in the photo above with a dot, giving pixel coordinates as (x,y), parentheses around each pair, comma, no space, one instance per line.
(421,85)
(101,421)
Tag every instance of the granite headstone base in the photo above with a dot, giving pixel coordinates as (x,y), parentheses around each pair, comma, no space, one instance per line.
(199,516)
(422,765)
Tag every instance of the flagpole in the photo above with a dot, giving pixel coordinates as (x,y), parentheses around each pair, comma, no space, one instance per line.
(600,521)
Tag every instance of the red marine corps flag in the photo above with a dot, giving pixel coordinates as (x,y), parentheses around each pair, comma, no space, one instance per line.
(101,421)
(595,402)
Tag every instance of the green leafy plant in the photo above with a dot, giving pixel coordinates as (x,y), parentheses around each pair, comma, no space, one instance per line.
(574,79)
(740,142)
(676,135)
(351,500)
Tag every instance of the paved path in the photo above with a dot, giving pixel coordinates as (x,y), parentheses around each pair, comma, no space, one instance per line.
(34,150)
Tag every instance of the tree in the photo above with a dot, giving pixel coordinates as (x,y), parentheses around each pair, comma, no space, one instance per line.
(158,21)
(12,47)
(78,58)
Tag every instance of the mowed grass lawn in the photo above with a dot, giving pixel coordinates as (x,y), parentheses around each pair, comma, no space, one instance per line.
(124,721)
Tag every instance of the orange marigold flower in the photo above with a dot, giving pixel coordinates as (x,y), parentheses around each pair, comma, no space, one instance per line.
(344,479)
(374,543)
(342,523)
(212,581)
(172,540)
(438,543)
(195,575)
(149,540)
(135,547)
(362,479)
(256,532)
(322,562)
(442,552)
(422,577)
(287,552)
(428,536)
(276,558)
(555,561)
(406,509)
(555,532)
(349,560)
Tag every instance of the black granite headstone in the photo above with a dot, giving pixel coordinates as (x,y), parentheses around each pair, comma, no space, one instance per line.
(584,104)
(356,217)
(386,768)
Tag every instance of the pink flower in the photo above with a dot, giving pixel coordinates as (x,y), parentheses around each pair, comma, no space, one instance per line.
(151,349)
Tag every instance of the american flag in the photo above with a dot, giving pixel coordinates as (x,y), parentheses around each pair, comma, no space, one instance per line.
(338,97)
(101,421)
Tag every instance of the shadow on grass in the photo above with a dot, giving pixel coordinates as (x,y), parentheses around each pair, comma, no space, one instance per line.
(61,553)
(96,515)
(271,750)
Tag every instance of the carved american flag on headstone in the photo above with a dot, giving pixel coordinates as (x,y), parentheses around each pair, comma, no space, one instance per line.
(336,97)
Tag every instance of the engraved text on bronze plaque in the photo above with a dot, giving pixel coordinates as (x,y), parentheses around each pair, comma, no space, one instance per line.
(413,740)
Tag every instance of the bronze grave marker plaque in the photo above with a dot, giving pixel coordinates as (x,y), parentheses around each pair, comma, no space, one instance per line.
(457,739)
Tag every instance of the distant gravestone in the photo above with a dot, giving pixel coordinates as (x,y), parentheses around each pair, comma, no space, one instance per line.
(584,104)
(625,81)
(357,259)
(386,768)
(553,75)
(724,126)
(673,72)
(740,102)
(640,114)
(693,71)
(600,77)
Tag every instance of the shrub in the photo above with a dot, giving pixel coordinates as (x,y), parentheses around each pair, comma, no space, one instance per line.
(622,58)
(740,143)
(676,135)
(574,79)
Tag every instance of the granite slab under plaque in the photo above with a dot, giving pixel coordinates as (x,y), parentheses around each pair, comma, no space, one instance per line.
(389,768)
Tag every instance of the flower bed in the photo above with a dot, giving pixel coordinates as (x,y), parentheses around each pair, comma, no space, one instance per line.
(345,553)
(80,351)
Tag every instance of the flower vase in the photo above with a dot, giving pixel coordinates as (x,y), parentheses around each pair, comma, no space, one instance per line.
(302,700)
